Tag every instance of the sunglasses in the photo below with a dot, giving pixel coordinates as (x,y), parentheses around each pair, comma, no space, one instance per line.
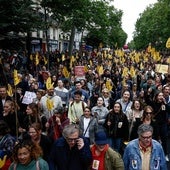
(147,113)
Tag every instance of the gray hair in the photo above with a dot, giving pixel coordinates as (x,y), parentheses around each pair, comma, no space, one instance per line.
(70,129)
(144,128)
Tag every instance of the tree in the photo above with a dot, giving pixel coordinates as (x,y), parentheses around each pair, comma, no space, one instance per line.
(106,27)
(18,16)
(97,17)
(153,26)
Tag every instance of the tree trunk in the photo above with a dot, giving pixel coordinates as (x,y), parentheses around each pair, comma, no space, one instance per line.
(73,30)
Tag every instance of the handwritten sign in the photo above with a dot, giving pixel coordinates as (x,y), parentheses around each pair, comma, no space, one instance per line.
(28,97)
(161,68)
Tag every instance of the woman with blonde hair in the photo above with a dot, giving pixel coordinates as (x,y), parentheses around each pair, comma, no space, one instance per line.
(107,96)
(10,117)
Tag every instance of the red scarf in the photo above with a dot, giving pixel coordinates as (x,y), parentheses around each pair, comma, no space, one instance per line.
(100,157)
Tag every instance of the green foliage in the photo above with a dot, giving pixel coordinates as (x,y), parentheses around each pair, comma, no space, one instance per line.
(18,16)
(102,21)
(153,26)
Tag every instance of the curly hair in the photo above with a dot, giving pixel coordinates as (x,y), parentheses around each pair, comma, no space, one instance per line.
(34,149)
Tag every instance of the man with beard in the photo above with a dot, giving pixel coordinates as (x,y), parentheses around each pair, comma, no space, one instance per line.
(53,99)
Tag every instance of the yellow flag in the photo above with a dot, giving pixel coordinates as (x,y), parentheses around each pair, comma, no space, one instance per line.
(132,71)
(101,70)
(36,59)
(49,104)
(168,43)
(122,59)
(45,60)
(120,53)
(137,57)
(145,58)
(49,83)
(31,57)
(152,51)
(9,91)
(2,161)
(110,56)
(72,61)
(156,56)
(116,52)
(141,66)
(91,63)
(16,79)
(149,48)
(86,69)
(66,72)
(63,57)
(125,71)
(109,85)
(168,60)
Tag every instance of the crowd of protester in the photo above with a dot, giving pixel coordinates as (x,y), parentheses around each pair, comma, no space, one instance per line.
(81,122)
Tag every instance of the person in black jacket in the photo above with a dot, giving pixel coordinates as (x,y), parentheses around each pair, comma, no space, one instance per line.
(117,127)
(160,112)
(3,97)
(71,152)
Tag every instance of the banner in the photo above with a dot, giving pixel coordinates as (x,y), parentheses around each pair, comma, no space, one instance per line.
(161,68)
(79,72)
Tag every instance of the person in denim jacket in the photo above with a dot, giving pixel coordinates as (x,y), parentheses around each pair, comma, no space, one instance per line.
(144,153)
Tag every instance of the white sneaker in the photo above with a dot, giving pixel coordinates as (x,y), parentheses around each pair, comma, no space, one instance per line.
(167,158)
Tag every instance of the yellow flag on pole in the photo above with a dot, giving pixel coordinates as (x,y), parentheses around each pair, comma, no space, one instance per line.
(66,72)
(132,71)
(9,91)
(36,59)
(16,79)
(49,104)
(137,57)
(63,57)
(149,48)
(45,60)
(49,83)
(109,85)
(168,43)
(125,71)
(31,57)
(72,61)
(101,70)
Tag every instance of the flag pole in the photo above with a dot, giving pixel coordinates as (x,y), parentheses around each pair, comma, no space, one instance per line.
(16,115)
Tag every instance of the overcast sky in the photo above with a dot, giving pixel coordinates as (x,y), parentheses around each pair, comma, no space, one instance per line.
(131,10)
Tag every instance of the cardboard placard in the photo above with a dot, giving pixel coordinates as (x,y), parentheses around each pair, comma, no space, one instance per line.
(79,72)
(161,68)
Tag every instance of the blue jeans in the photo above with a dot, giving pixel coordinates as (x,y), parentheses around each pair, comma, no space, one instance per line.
(115,143)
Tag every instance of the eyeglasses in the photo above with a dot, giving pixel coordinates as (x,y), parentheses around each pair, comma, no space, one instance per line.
(146,137)
(86,111)
(71,139)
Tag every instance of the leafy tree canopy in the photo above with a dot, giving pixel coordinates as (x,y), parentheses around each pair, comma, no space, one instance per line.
(153,26)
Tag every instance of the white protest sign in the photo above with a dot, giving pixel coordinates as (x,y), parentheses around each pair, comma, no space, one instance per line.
(28,97)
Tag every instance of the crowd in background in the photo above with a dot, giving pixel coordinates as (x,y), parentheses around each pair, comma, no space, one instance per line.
(118,92)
